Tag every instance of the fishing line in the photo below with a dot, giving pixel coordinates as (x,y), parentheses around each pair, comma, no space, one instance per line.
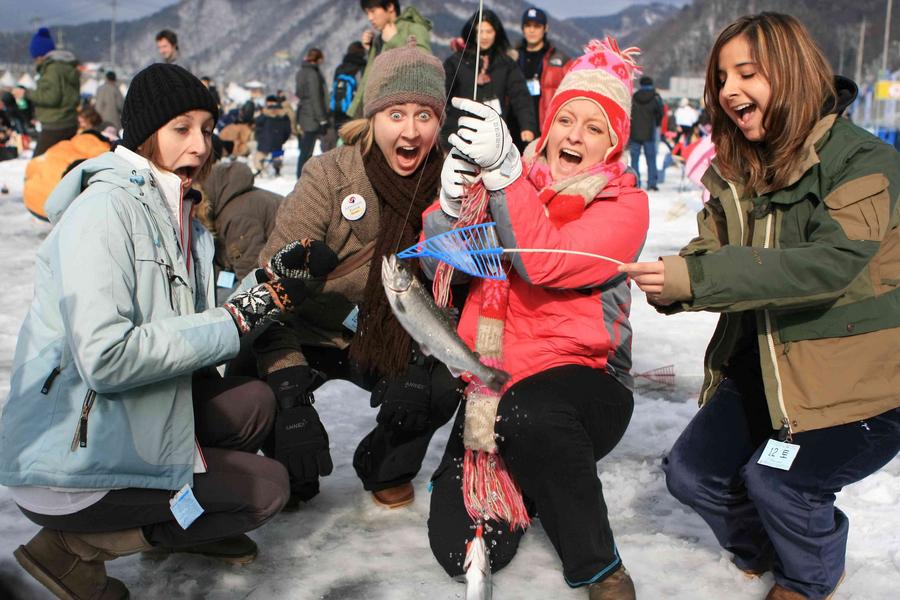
(459,64)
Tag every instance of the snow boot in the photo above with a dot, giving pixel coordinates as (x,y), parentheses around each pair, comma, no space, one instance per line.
(71,564)
(782,593)
(234,550)
(617,586)
(395,497)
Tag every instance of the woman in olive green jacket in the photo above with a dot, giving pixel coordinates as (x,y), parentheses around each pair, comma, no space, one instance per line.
(799,249)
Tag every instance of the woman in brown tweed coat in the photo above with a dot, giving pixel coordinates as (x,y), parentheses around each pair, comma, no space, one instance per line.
(364,200)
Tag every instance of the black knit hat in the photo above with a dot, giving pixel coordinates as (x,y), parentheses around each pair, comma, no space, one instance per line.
(157,95)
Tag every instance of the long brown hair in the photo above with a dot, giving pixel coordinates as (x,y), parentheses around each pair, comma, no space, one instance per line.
(801,83)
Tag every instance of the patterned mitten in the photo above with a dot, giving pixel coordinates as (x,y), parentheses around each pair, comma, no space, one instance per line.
(252,308)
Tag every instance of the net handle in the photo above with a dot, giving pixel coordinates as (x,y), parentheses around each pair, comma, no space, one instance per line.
(557,251)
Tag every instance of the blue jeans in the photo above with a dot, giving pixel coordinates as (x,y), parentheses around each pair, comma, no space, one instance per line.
(649,148)
(770,517)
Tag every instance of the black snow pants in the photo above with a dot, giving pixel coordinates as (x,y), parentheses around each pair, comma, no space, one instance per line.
(552,429)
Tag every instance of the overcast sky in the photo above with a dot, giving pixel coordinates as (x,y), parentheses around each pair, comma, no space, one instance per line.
(18,15)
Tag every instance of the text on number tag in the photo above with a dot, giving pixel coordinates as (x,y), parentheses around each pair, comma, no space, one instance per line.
(779,455)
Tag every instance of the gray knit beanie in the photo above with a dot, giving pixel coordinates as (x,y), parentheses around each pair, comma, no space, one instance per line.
(402,75)
(157,95)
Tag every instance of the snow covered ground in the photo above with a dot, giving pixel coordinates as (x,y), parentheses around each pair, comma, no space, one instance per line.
(342,546)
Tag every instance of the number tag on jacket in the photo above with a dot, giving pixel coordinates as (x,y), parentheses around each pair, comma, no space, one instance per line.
(350,321)
(185,507)
(225,280)
(779,455)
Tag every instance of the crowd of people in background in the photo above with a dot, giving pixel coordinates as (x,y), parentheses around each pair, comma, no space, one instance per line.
(507,78)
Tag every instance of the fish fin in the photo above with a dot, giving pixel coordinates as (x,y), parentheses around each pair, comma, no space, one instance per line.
(398,306)
(497,379)
(424,349)
(454,371)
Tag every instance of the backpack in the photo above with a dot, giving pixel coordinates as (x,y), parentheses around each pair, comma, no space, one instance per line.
(342,91)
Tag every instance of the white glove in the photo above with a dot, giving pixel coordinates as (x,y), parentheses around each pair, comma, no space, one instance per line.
(456,174)
(484,138)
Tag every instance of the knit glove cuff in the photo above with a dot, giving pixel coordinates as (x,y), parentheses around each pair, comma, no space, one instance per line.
(302,259)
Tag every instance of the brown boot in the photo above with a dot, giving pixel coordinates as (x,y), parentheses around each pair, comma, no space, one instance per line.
(71,564)
(234,550)
(395,497)
(782,593)
(617,586)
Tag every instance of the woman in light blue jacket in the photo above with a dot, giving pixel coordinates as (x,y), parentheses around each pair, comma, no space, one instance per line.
(113,408)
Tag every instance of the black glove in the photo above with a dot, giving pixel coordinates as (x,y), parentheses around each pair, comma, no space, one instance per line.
(303,259)
(257,305)
(405,400)
(301,442)
(294,386)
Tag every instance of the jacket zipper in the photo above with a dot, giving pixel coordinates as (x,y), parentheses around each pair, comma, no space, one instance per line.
(45,389)
(770,342)
(170,278)
(80,438)
(740,216)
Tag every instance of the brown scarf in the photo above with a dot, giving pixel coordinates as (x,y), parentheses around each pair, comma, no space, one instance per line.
(381,345)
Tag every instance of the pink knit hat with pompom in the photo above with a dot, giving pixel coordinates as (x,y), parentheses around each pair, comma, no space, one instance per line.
(603,74)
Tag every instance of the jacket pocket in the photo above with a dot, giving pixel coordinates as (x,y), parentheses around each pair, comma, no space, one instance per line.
(153,270)
(861,207)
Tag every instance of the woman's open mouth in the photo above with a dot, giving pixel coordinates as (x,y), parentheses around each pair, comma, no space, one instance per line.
(745,113)
(570,157)
(186,175)
(407,157)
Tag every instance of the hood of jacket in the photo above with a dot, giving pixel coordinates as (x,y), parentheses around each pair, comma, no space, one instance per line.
(275,112)
(108,167)
(60,56)
(351,64)
(411,15)
(226,182)
(846,90)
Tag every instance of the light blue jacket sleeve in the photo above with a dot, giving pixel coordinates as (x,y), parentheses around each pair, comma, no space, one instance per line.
(118,336)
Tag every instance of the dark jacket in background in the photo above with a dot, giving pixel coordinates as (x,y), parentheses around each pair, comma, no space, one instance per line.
(242,215)
(646,114)
(507,85)
(312,110)
(273,128)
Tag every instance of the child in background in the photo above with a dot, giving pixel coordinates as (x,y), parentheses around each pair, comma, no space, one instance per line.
(273,128)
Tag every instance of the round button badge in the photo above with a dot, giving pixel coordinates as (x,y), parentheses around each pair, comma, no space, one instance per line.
(353,207)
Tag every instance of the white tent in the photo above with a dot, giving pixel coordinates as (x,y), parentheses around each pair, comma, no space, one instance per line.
(7,81)
(27,81)
(236,93)
(254,84)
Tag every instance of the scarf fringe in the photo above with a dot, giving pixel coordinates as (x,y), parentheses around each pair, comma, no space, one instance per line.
(474,210)
(489,491)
